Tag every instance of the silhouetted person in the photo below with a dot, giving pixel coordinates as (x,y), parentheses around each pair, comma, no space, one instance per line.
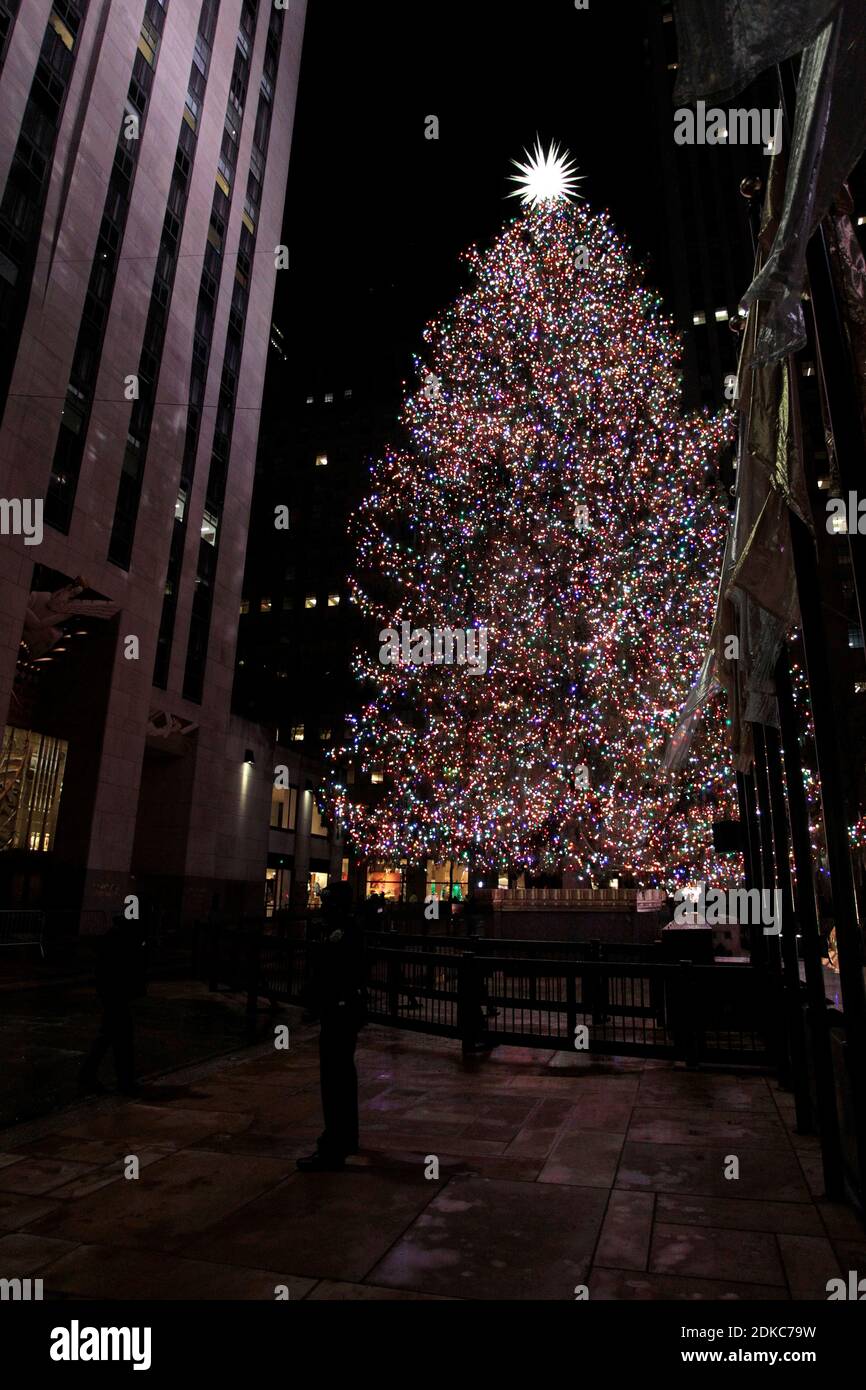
(337,994)
(120,978)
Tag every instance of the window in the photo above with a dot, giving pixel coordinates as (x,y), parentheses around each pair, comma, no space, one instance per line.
(245,606)
(265,605)
(329,397)
(284,801)
(347,394)
(325,734)
(288,603)
(317,825)
(333,600)
(321,460)
(721,316)
(310,400)
(310,601)
(60,29)
(297,734)
(377,777)
(209,526)
(699,317)
(37,784)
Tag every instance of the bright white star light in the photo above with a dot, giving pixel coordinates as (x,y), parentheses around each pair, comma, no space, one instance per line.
(545,176)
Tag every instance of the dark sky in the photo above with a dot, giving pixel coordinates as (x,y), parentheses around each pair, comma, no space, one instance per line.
(377,215)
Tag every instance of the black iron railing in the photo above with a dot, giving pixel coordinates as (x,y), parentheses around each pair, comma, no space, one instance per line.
(488,995)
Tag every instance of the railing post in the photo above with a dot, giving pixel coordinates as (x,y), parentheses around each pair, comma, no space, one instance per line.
(468,1001)
(681,1015)
(393,986)
(570,1000)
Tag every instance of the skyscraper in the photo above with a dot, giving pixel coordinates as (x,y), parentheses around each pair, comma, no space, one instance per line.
(143,174)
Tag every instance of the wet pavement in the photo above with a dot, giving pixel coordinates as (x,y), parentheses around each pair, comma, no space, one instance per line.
(520,1175)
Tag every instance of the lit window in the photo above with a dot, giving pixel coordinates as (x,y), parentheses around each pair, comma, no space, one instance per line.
(855,636)
(209,526)
(347,394)
(180,505)
(283,807)
(245,606)
(309,400)
(861,221)
(321,460)
(839,525)
(310,601)
(325,734)
(297,733)
(265,605)
(61,30)
(699,317)
(721,316)
(377,777)
(824,483)
(329,397)
(333,600)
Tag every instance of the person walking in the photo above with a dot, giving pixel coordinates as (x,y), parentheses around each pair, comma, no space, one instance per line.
(337,994)
(121,977)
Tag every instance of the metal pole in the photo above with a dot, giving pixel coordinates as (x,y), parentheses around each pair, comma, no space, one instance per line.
(768,946)
(810,937)
(745,838)
(793,1013)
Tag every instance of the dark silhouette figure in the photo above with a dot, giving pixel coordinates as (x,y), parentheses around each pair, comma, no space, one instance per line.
(337,994)
(120,977)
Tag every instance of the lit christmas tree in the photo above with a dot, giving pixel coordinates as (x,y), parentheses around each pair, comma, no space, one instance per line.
(555,509)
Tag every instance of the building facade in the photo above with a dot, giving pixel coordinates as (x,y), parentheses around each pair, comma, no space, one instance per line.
(143,174)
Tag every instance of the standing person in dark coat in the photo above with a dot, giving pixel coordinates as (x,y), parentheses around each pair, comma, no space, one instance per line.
(337,992)
(120,977)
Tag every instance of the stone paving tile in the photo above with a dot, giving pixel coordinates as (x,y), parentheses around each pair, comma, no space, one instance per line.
(32,1176)
(733,1213)
(699,1170)
(840,1220)
(451,1165)
(688,1089)
(96,1152)
(709,1252)
(533,1143)
(334,1291)
(16,1211)
(809,1262)
(621,1286)
(23,1254)
(585,1159)
(145,1125)
(101,1272)
(625,1235)
(324,1225)
(594,1112)
(497,1240)
(745,1128)
(174,1199)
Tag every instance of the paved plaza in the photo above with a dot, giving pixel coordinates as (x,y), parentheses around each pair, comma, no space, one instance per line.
(553,1172)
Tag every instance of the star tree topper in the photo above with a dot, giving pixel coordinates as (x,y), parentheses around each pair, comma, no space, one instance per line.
(546,176)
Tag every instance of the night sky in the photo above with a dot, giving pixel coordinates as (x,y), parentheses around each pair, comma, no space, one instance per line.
(377,215)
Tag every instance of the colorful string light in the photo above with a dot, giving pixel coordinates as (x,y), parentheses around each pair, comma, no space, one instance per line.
(552,385)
